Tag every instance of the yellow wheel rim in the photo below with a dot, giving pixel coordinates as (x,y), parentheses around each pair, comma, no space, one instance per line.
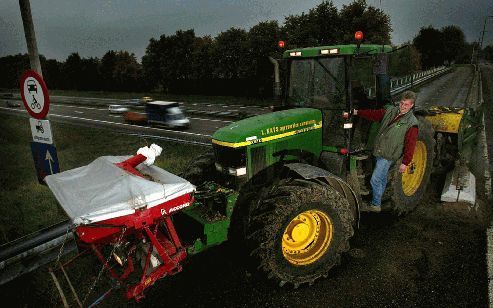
(307,237)
(413,176)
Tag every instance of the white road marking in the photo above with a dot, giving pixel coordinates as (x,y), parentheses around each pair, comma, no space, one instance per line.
(80,107)
(22,110)
(212,120)
(117,116)
(124,124)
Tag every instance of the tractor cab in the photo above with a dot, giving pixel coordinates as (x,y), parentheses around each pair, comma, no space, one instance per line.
(325,76)
(336,79)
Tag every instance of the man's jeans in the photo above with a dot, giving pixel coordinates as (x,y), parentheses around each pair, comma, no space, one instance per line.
(379,179)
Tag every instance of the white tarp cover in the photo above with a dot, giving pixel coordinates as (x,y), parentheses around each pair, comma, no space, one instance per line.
(102,190)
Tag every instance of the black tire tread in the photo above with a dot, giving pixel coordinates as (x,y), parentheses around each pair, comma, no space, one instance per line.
(289,195)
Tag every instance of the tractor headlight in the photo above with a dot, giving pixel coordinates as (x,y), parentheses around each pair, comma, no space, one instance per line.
(237,171)
(233,171)
(218,167)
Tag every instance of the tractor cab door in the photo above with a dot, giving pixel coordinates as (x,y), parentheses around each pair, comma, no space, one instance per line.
(370,89)
(321,83)
(363,96)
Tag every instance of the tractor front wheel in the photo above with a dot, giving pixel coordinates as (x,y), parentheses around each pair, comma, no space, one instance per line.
(298,233)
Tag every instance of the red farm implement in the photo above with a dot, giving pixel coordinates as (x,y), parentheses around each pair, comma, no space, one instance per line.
(120,205)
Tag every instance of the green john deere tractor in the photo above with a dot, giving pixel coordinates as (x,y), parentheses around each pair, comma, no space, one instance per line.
(287,186)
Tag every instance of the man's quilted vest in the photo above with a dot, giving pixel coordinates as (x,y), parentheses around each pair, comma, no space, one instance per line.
(389,142)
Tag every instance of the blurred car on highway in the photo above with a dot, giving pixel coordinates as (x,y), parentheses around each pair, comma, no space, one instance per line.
(135,118)
(117,109)
(167,114)
(134,103)
(146,99)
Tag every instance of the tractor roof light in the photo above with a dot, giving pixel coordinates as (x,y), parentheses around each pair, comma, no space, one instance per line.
(281,44)
(358,35)
(332,51)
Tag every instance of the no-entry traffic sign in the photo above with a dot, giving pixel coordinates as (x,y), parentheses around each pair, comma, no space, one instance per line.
(34,94)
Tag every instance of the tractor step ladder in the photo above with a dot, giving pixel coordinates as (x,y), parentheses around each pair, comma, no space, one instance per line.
(360,158)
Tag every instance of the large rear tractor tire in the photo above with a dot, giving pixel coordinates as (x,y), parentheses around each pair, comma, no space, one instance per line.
(406,190)
(297,234)
(201,169)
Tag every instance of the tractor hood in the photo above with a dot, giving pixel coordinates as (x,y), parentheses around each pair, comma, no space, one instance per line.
(268,127)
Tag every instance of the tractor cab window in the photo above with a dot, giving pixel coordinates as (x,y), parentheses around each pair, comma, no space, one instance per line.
(362,81)
(317,83)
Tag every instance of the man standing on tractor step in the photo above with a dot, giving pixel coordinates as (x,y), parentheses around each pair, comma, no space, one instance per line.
(396,138)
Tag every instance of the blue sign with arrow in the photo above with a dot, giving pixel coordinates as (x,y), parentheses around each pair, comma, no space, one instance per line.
(45,159)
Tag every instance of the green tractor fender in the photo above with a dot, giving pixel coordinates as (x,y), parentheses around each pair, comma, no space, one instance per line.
(310,172)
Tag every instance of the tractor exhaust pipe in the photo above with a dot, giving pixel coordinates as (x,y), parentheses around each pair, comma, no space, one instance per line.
(277,80)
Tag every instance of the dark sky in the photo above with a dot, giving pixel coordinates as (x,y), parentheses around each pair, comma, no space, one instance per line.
(93,27)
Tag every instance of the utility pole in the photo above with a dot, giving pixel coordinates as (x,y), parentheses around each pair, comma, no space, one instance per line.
(472,54)
(32,47)
(482,33)
(36,100)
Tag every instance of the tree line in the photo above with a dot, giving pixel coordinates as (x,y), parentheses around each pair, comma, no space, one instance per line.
(235,62)
(445,45)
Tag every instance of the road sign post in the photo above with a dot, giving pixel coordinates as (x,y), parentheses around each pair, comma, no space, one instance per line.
(37,103)
(32,47)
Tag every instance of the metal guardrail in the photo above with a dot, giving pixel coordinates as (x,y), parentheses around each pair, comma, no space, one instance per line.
(398,85)
(34,250)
